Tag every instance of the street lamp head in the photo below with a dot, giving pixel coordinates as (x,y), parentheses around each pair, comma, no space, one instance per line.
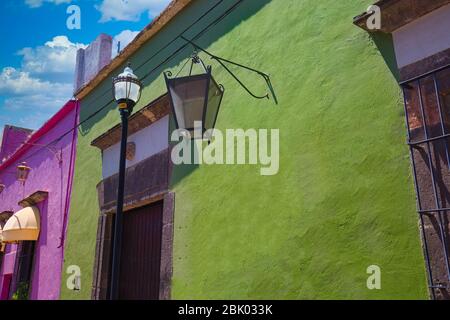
(127,89)
(22,172)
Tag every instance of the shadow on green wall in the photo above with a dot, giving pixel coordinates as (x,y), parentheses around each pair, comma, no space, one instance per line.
(181,171)
(385,45)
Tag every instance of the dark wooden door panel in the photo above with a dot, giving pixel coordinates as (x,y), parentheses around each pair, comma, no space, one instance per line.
(141,253)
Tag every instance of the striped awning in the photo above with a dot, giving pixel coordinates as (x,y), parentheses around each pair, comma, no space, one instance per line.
(24,225)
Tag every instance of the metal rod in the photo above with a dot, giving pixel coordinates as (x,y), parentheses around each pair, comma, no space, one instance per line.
(434,210)
(433,179)
(444,136)
(117,240)
(192,67)
(265,76)
(223,59)
(56,153)
(266,96)
(423,75)
(419,203)
(441,118)
(440,286)
(187,61)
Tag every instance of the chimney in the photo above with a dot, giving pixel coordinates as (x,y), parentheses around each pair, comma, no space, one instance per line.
(13,138)
(91,60)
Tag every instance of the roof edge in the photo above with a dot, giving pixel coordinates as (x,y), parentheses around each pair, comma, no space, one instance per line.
(171,11)
(36,135)
(397,13)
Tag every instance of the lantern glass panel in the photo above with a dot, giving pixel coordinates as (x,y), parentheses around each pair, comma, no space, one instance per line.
(120,90)
(215,95)
(126,89)
(188,99)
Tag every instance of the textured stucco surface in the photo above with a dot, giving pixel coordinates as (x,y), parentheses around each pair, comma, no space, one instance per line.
(47,174)
(343,199)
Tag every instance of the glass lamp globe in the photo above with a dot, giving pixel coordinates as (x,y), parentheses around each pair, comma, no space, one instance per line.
(127,89)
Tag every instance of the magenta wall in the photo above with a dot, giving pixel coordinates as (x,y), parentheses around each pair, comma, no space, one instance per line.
(13,137)
(55,177)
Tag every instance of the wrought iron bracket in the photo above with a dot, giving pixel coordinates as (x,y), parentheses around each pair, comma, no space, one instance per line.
(56,152)
(194,59)
(223,62)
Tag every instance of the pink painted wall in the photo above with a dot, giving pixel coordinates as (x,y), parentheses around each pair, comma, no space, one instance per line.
(55,177)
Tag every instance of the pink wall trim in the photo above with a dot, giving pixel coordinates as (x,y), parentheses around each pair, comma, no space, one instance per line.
(71,174)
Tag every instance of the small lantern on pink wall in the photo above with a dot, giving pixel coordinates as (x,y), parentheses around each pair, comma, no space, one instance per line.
(22,172)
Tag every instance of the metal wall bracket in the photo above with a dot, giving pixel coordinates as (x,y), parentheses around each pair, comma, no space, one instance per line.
(223,62)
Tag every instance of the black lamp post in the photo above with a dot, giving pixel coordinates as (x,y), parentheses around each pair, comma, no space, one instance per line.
(127,91)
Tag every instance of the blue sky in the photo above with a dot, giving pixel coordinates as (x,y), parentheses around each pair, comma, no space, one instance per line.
(37,53)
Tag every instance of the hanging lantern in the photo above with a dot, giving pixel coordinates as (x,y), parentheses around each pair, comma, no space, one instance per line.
(197,98)
(22,172)
(194,98)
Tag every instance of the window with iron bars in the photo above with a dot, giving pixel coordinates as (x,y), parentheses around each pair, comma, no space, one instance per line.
(427,109)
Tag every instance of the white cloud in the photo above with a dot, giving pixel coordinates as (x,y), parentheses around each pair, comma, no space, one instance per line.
(16,82)
(55,56)
(125,37)
(130,10)
(32,110)
(38,3)
(31,107)
(42,85)
(47,101)
(27,93)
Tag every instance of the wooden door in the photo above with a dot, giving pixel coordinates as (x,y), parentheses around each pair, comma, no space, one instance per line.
(141,253)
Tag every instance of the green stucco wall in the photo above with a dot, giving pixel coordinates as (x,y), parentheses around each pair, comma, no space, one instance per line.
(343,199)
